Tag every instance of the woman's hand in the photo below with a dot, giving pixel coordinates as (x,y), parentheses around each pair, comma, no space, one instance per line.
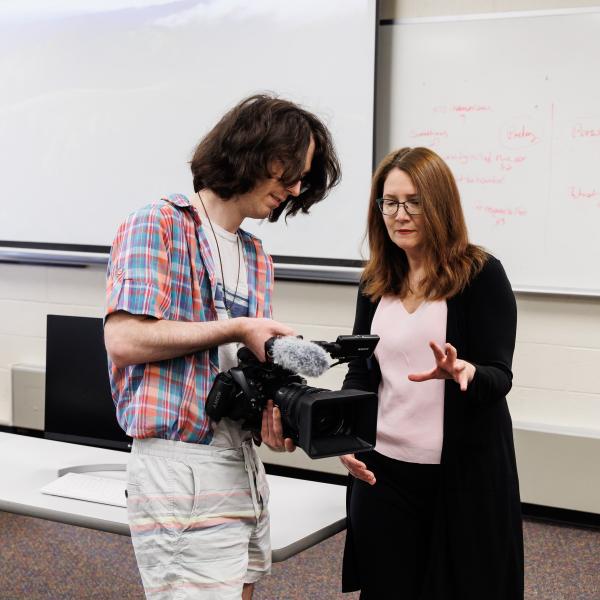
(448,366)
(271,431)
(357,469)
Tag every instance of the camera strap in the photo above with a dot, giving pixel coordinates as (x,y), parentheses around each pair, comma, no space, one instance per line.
(255,477)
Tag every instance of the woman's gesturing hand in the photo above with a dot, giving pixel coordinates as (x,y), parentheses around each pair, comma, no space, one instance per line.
(448,366)
(357,469)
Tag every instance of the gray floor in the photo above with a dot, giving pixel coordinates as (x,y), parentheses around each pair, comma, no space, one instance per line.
(41,560)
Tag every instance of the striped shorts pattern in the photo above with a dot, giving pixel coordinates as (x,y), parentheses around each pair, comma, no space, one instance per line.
(198,518)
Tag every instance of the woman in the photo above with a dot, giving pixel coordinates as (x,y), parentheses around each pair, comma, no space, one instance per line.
(434,511)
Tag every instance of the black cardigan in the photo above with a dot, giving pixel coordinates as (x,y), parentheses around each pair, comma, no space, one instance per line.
(477,550)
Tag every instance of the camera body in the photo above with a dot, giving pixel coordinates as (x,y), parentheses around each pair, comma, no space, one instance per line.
(322,422)
(242,392)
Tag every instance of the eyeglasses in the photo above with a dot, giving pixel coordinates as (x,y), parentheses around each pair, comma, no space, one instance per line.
(389,207)
(304,183)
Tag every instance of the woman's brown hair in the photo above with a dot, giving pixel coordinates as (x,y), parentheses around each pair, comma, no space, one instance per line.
(241,148)
(450,260)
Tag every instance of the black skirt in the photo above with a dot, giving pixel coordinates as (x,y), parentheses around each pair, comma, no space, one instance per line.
(389,536)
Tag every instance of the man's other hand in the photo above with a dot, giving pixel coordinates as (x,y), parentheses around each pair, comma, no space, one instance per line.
(271,430)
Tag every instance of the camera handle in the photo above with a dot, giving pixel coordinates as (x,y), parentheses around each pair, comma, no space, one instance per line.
(349,347)
(238,377)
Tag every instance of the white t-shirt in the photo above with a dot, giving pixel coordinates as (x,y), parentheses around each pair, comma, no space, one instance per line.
(228,433)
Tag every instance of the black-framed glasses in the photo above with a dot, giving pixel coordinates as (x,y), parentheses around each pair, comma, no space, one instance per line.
(304,183)
(390,207)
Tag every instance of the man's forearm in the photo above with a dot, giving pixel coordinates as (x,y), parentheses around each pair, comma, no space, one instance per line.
(135,339)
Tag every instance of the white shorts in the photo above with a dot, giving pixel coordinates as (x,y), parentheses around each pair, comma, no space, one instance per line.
(198,518)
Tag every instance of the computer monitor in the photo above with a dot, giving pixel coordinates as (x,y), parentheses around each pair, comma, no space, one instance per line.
(79,406)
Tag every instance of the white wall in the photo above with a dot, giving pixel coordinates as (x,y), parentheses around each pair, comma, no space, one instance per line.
(557,361)
(27,295)
(400,9)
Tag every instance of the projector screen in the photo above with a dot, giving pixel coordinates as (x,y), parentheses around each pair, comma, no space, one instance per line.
(104,101)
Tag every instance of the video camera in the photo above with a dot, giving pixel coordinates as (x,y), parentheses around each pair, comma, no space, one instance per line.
(322,422)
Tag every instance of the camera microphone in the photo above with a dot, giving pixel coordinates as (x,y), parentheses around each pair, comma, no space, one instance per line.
(298,355)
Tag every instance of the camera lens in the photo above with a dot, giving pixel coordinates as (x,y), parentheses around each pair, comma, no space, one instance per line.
(289,398)
(328,419)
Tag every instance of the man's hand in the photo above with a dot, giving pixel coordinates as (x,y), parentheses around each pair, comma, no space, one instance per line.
(271,431)
(255,332)
(448,366)
(357,469)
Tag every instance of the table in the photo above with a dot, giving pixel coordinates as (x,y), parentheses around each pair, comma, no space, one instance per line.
(303,513)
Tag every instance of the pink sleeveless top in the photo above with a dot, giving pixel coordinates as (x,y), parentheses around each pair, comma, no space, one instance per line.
(411,414)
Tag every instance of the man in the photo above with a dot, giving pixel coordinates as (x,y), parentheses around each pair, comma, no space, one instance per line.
(186,287)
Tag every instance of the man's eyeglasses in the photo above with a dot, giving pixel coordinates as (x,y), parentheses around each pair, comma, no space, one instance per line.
(304,183)
(390,207)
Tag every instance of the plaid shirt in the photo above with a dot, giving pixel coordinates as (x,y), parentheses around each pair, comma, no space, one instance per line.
(161,266)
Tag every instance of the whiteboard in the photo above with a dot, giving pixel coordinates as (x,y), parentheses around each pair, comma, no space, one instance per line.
(104,101)
(513,105)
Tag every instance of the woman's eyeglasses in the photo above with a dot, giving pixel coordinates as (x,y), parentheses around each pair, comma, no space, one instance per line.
(389,207)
